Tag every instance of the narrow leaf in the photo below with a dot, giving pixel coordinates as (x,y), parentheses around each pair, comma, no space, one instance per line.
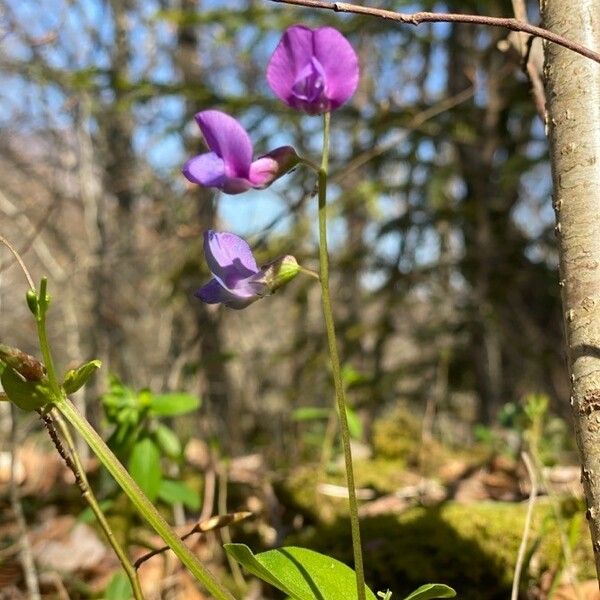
(354,424)
(430,591)
(144,466)
(310,413)
(119,588)
(171,405)
(75,379)
(174,492)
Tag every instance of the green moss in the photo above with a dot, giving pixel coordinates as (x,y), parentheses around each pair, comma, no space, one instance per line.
(299,491)
(396,435)
(471,547)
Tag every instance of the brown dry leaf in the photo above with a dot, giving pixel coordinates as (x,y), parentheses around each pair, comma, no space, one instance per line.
(5,469)
(471,489)
(249,469)
(197,454)
(42,466)
(64,545)
(188,589)
(152,575)
(11,574)
(565,480)
(390,504)
(588,590)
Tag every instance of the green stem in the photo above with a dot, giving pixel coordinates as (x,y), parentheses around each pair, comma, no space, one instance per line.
(40,321)
(340,393)
(140,501)
(90,498)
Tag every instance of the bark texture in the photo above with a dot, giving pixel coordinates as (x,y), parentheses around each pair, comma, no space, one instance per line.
(573,104)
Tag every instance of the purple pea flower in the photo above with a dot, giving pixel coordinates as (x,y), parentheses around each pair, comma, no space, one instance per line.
(313,70)
(237,280)
(229,166)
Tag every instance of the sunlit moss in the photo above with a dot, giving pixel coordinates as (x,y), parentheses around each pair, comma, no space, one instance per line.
(472,547)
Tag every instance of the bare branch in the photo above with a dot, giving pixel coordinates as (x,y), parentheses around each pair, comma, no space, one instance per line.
(430,17)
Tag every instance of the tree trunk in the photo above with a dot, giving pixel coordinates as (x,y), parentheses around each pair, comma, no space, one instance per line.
(573,103)
(218,394)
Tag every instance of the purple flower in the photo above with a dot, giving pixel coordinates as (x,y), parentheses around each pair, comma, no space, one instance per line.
(236,278)
(237,281)
(313,70)
(229,166)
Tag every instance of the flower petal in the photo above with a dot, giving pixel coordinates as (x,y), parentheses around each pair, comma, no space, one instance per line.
(214,293)
(229,258)
(228,140)
(206,169)
(339,62)
(271,166)
(292,55)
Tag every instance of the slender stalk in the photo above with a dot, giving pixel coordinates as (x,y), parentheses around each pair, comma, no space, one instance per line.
(40,321)
(335,361)
(140,501)
(225,534)
(74,463)
(525,537)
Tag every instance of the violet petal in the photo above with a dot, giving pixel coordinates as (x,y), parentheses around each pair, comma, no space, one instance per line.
(228,140)
(206,169)
(340,64)
(292,55)
(214,293)
(229,258)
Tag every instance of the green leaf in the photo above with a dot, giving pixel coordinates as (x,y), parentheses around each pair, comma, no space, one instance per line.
(75,379)
(144,466)
(168,441)
(300,573)
(354,424)
(432,590)
(310,413)
(27,395)
(171,405)
(87,515)
(119,588)
(173,492)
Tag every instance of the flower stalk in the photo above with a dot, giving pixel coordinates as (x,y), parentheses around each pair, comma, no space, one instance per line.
(340,393)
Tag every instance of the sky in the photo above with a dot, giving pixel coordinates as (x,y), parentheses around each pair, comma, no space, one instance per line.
(246,214)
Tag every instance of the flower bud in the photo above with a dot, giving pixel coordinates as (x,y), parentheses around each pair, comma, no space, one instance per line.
(32,301)
(279,272)
(29,367)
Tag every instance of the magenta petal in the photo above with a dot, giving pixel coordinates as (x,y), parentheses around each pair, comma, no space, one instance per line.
(228,140)
(271,166)
(340,64)
(206,169)
(292,55)
(263,171)
(214,293)
(236,185)
(229,258)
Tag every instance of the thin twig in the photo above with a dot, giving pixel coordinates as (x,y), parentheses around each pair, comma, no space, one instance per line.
(17,256)
(236,571)
(25,554)
(211,524)
(530,505)
(528,67)
(71,459)
(431,17)
(414,123)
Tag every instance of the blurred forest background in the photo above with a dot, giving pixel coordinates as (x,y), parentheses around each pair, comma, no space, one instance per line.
(443,255)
